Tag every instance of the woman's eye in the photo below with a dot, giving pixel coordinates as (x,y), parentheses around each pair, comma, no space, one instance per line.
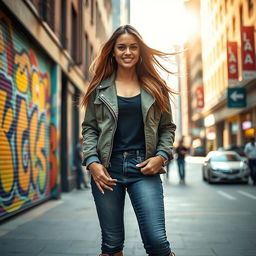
(121,48)
(134,47)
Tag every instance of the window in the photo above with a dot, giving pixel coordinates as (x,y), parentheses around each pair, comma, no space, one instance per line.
(86,57)
(46,11)
(92,12)
(74,37)
(241,16)
(91,54)
(234,25)
(63,23)
(250,6)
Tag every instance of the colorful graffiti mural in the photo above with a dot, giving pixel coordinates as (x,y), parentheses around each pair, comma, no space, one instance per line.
(28,139)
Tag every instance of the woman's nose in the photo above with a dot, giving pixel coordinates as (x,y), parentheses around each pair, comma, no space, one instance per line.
(127,51)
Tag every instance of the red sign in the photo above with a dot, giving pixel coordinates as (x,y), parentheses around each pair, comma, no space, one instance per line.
(200,97)
(232,61)
(248,52)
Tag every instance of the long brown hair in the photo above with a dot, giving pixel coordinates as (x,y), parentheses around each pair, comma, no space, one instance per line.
(104,65)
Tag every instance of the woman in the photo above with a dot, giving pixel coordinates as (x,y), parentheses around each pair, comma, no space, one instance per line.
(128,134)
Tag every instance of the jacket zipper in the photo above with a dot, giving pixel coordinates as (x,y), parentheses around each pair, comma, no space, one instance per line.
(115,117)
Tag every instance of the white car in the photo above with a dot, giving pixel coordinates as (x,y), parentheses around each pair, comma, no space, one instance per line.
(225,166)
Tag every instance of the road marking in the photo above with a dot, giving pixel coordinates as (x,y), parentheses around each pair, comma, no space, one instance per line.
(247,194)
(227,213)
(226,195)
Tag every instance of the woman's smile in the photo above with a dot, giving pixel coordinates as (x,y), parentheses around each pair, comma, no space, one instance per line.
(127,59)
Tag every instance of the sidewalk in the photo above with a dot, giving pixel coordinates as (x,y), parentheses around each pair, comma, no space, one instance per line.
(67,227)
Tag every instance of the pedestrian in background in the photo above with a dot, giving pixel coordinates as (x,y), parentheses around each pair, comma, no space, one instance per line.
(128,134)
(80,179)
(181,152)
(250,153)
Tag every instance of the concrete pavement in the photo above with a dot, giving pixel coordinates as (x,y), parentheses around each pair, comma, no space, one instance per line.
(199,220)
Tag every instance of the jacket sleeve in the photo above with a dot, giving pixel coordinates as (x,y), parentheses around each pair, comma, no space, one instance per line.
(166,132)
(90,131)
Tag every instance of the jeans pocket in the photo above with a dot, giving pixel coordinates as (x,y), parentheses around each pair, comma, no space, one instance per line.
(132,170)
(140,159)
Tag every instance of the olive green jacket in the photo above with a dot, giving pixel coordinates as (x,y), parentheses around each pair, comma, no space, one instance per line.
(100,122)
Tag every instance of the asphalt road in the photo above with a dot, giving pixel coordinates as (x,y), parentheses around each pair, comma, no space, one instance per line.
(205,219)
(201,220)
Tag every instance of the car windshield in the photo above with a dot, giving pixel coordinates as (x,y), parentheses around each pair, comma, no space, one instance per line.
(225,158)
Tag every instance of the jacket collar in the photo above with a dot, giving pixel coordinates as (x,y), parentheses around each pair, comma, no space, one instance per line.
(107,91)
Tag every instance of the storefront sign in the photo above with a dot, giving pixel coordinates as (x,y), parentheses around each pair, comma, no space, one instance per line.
(248,53)
(246,125)
(209,120)
(236,97)
(200,97)
(232,63)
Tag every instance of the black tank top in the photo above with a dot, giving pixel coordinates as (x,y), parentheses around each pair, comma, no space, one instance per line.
(129,134)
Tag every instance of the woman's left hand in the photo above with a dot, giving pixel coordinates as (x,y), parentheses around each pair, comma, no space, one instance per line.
(151,165)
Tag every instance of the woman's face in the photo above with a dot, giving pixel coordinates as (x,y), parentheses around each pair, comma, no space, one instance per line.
(126,51)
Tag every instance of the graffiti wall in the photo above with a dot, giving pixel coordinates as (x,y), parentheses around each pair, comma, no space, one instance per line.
(28,118)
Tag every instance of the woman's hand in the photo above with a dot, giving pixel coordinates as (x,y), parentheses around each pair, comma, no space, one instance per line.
(152,165)
(101,177)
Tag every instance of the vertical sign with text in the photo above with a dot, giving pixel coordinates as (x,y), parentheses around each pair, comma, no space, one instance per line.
(200,97)
(248,53)
(232,63)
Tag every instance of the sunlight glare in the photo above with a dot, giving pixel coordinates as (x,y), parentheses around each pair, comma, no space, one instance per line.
(163,24)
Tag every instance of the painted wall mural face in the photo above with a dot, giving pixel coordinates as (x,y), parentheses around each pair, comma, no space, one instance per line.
(28,165)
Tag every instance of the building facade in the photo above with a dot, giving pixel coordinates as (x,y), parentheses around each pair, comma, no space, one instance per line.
(220,81)
(120,13)
(229,71)
(46,48)
(191,84)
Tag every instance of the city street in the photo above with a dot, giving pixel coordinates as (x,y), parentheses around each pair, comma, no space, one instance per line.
(202,220)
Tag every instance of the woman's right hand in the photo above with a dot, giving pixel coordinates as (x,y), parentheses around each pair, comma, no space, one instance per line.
(101,177)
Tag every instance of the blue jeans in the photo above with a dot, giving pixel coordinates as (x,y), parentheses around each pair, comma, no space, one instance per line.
(146,195)
(181,167)
(252,166)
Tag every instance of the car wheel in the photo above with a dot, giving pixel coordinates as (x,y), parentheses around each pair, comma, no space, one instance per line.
(245,182)
(204,178)
(209,177)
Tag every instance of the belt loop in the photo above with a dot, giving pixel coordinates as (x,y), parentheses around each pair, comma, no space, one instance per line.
(137,152)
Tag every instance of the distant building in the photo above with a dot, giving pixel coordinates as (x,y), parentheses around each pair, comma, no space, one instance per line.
(191,84)
(120,13)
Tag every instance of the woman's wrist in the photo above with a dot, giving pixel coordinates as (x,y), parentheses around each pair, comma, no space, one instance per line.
(163,160)
(91,165)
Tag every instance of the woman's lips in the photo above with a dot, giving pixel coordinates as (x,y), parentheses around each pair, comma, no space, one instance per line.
(127,59)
